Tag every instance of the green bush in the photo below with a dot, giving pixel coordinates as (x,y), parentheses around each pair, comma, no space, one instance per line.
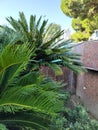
(78,119)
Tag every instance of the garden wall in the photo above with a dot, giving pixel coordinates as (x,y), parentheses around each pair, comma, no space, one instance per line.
(87,83)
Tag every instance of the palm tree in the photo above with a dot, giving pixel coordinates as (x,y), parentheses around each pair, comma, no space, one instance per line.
(30,101)
(50,51)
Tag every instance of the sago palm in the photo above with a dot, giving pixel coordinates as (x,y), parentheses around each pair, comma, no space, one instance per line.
(50,48)
(29,101)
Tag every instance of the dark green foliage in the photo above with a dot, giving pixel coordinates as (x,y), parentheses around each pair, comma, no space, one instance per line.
(78,119)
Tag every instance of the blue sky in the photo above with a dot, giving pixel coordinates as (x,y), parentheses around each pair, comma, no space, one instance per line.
(50,9)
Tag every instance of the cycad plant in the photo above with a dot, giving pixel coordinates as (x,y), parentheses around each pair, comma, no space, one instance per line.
(30,101)
(50,48)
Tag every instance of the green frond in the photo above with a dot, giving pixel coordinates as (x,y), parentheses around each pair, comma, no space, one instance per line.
(12,75)
(13,60)
(24,119)
(38,22)
(13,54)
(28,118)
(42,28)
(23,21)
(40,98)
(52,40)
(27,79)
(32,25)
(14,23)
(7,76)
(33,96)
(58,71)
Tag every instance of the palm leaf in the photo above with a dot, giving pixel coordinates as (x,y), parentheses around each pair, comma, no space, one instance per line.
(35,120)
(24,21)
(13,53)
(37,98)
(58,71)
(14,23)
(13,60)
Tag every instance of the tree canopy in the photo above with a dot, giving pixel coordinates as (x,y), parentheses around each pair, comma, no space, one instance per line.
(85,17)
(79,8)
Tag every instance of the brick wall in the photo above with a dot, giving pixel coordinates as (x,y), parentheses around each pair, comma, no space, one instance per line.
(91,92)
(90,55)
(87,83)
